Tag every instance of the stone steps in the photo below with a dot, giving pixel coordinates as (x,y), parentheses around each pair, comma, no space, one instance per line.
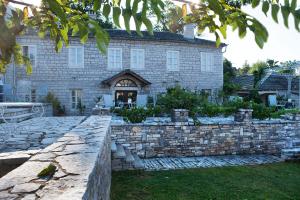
(123,158)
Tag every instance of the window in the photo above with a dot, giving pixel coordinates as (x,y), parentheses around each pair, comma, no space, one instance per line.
(114,59)
(126,83)
(173,60)
(137,59)
(207,62)
(76,98)
(76,57)
(1,93)
(30,52)
(33,95)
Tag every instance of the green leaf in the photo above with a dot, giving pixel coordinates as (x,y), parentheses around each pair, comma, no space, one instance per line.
(259,41)
(255,3)
(116,15)
(265,7)
(223,30)
(285,14)
(126,17)
(101,44)
(148,25)
(275,10)
(59,45)
(297,19)
(57,9)
(64,34)
(106,10)
(218,40)
(135,6)
(293,5)
(97,5)
(216,7)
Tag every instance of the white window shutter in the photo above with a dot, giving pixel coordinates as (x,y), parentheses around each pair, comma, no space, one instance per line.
(72,56)
(79,56)
(141,100)
(108,102)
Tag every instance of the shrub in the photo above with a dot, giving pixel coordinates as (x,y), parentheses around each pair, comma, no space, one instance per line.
(260,111)
(57,108)
(179,98)
(134,115)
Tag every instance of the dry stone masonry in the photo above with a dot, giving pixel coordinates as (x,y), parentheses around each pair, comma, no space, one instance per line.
(83,167)
(36,133)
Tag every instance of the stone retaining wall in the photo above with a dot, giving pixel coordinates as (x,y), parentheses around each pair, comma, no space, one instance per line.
(181,139)
(83,167)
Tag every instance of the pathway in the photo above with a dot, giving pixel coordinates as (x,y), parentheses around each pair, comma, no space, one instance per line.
(154,164)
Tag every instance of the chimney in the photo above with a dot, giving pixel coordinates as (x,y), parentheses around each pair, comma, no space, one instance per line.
(189,31)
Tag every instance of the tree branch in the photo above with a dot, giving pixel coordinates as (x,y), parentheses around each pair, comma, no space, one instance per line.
(19,2)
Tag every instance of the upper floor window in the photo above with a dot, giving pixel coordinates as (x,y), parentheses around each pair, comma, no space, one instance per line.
(207,62)
(30,52)
(114,58)
(76,57)
(137,59)
(173,60)
(76,98)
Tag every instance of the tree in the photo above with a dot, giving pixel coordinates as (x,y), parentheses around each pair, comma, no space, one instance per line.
(272,63)
(58,18)
(171,18)
(245,68)
(229,72)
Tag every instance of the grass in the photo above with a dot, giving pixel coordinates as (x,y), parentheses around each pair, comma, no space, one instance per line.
(274,181)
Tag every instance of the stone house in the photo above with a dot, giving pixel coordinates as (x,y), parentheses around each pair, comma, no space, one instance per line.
(134,68)
(282,86)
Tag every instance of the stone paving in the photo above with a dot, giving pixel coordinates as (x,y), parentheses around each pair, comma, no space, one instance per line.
(155,164)
(83,167)
(36,133)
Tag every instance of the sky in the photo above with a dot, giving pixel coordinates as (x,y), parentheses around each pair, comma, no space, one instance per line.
(283,44)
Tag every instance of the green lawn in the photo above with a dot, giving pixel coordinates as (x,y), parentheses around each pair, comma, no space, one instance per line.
(274,181)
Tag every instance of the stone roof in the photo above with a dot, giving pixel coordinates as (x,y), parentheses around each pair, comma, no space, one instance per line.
(275,82)
(159,36)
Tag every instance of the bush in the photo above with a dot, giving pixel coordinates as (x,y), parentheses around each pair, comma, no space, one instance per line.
(260,111)
(134,115)
(58,110)
(179,98)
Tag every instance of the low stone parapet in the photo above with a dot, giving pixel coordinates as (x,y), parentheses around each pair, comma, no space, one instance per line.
(82,160)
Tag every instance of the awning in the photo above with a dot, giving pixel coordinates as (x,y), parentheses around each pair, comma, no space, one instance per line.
(126,72)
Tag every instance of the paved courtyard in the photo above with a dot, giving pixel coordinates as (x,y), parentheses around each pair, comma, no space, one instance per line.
(36,133)
(207,161)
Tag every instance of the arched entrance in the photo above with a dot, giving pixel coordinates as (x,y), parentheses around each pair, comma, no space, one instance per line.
(125,93)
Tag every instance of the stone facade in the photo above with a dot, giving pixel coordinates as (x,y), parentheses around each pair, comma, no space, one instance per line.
(181,139)
(52,74)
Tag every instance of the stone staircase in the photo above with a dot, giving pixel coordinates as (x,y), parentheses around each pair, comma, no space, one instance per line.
(124,159)
(17,115)
(293,152)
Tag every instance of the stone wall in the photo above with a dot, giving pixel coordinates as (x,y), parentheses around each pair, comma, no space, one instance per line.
(182,139)
(83,167)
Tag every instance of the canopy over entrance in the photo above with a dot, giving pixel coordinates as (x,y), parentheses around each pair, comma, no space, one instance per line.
(127,73)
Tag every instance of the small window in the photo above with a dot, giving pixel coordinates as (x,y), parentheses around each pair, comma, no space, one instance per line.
(114,58)
(137,58)
(1,93)
(126,83)
(76,98)
(76,57)
(173,60)
(33,95)
(30,52)
(207,62)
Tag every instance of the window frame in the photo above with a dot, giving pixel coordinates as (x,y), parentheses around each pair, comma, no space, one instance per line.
(170,67)
(35,53)
(132,64)
(112,67)
(78,94)
(77,65)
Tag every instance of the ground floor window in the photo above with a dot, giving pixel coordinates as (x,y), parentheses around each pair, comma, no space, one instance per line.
(76,98)
(125,98)
(1,93)
(33,95)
